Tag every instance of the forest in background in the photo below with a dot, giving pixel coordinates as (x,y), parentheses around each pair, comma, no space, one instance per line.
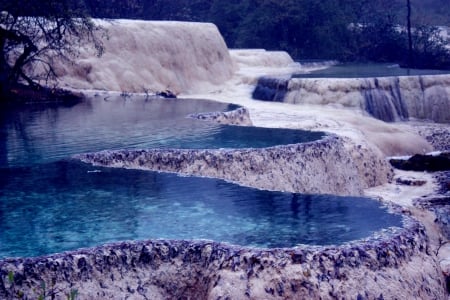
(347,30)
(344,30)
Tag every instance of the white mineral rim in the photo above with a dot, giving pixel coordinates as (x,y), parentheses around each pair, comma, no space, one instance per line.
(192,60)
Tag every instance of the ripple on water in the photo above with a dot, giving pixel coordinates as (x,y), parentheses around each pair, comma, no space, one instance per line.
(69,208)
(35,134)
(50,204)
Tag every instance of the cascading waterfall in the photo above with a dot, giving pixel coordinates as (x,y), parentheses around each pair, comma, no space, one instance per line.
(271,89)
(385,104)
(389,99)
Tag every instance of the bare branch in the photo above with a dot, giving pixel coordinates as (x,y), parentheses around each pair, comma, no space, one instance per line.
(30,44)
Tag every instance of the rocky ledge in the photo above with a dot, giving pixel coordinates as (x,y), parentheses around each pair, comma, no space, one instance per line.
(307,167)
(419,162)
(239,116)
(395,263)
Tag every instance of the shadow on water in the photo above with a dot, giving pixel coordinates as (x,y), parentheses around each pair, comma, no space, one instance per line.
(18,124)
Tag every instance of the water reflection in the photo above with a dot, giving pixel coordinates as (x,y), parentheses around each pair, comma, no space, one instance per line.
(49,203)
(43,135)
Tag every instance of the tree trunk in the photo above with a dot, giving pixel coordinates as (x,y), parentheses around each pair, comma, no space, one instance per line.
(11,75)
(4,67)
(410,50)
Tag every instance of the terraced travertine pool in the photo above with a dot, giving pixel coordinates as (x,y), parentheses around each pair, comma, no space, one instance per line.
(50,202)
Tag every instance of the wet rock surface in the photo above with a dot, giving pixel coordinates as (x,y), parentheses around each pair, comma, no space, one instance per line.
(443,180)
(438,135)
(167,269)
(271,89)
(410,181)
(439,203)
(238,116)
(419,162)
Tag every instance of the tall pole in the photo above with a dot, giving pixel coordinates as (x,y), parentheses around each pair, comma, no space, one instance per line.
(408,4)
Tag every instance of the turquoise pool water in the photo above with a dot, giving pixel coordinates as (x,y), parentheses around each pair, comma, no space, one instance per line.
(67,205)
(51,203)
(37,134)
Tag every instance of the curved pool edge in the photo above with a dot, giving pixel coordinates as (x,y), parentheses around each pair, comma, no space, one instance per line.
(390,266)
(304,167)
(291,168)
(161,269)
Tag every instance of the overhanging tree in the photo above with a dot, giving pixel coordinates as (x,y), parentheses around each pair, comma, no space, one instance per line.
(35,34)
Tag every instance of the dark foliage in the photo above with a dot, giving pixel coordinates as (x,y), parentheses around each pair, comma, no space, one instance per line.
(348,30)
(32,35)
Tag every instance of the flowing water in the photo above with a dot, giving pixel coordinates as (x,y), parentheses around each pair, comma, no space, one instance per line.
(51,203)
(385,91)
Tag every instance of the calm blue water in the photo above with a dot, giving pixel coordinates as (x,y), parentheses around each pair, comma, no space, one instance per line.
(67,205)
(352,70)
(50,203)
(43,134)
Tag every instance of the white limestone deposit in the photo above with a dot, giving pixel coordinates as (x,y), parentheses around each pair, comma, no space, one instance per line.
(193,59)
(153,56)
(262,58)
(395,266)
(255,61)
(387,98)
(290,168)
